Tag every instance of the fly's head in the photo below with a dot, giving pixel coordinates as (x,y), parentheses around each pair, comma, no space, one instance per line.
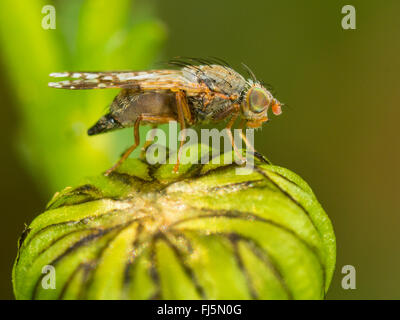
(255,104)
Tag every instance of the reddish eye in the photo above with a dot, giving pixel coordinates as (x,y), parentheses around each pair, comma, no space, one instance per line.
(258,100)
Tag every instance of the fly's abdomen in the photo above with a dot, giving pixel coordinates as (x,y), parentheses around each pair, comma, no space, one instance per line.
(128,105)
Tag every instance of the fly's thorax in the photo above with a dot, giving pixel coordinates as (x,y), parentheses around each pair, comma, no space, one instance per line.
(211,112)
(208,107)
(217,78)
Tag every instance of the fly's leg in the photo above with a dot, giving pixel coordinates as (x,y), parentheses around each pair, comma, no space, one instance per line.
(130,150)
(143,117)
(183,113)
(148,142)
(243,136)
(229,131)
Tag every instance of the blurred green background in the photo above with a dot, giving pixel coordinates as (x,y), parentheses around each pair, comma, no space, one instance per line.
(339,131)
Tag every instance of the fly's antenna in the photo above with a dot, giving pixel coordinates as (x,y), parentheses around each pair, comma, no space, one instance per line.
(250,72)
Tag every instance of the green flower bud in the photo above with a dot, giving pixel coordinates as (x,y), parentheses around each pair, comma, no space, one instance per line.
(145,232)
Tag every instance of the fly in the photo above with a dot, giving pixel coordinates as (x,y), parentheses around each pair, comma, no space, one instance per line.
(199,92)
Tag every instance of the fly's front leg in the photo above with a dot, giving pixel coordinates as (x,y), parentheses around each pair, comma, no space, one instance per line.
(183,113)
(229,132)
(243,136)
(235,110)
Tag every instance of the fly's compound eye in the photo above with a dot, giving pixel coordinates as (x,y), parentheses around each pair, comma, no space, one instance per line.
(258,100)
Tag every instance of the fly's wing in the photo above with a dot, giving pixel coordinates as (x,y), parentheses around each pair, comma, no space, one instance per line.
(138,80)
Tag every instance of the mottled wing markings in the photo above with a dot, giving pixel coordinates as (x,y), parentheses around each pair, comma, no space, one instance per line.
(140,80)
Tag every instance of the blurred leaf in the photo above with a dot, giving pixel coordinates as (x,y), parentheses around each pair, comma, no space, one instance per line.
(90,35)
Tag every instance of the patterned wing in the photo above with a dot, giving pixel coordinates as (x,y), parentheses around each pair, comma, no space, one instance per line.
(139,80)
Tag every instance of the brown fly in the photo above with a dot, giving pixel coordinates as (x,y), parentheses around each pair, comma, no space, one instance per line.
(201,91)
